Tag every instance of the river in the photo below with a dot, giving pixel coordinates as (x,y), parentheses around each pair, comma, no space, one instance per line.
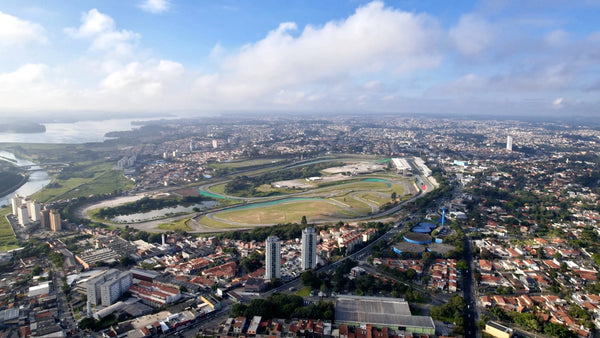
(38,178)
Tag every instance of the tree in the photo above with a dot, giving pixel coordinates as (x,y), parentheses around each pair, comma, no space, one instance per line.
(37,270)
(394,196)
(462,265)
(304,221)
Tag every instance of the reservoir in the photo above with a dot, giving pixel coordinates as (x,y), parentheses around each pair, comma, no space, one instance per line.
(74,132)
(38,178)
(161,213)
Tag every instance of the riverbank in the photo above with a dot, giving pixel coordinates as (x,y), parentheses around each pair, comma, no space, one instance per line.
(36,178)
(15,187)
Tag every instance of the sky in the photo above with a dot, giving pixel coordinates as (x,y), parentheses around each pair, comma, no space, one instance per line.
(498,57)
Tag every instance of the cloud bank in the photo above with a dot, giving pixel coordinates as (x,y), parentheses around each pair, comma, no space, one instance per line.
(378,58)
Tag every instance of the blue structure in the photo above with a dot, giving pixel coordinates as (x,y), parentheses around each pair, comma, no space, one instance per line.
(417,238)
(421,230)
(443,216)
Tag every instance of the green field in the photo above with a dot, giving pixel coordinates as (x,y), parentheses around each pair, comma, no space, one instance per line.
(214,224)
(218,188)
(281,212)
(180,225)
(92,179)
(8,241)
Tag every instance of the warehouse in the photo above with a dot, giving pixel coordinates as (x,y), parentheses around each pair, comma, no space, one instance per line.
(381,312)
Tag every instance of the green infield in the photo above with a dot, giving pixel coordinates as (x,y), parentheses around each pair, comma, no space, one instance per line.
(286,211)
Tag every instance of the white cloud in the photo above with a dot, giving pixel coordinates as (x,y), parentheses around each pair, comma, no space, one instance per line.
(26,74)
(155,6)
(374,39)
(15,31)
(558,103)
(148,79)
(101,29)
(472,35)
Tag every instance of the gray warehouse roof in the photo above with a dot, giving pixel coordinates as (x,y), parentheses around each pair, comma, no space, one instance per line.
(379,311)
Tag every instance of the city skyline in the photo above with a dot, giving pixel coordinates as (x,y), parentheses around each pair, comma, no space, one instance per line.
(475,57)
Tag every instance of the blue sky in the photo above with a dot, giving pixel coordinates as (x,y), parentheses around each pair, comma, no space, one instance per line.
(456,57)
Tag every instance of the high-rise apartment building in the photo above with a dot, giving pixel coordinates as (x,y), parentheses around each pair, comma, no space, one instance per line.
(45,218)
(273,258)
(509,143)
(309,248)
(34,210)
(55,222)
(23,215)
(16,203)
(107,287)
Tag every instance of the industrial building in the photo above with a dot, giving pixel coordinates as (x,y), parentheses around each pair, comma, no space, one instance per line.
(90,257)
(401,165)
(498,330)
(381,312)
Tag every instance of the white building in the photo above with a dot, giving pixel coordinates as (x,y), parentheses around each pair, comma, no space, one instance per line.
(23,215)
(16,203)
(108,286)
(509,143)
(112,290)
(273,258)
(309,248)
(35,210)
(41,289)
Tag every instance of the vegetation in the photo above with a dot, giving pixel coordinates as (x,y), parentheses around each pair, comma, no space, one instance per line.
(179,225)
(284,306)
(452,312)
(283,212)
(252,262)
(535,323)
(247,186)
(10,177)
(8,240)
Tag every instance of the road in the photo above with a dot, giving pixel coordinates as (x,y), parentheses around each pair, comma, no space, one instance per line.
(469,291)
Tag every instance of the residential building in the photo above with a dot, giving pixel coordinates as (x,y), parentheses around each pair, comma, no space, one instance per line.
(273,258)
(23,215)
(55,222)
(309,248)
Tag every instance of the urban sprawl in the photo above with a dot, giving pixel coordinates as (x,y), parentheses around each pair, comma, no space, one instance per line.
(379,226)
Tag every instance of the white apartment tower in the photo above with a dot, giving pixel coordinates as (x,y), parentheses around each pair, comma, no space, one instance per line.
(509,143)
(16,203)
(22,215)
(35,210)
(309,248)
(273,258)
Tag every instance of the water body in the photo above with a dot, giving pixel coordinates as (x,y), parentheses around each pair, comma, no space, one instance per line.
(38,178)
(160,213)
(74,132)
